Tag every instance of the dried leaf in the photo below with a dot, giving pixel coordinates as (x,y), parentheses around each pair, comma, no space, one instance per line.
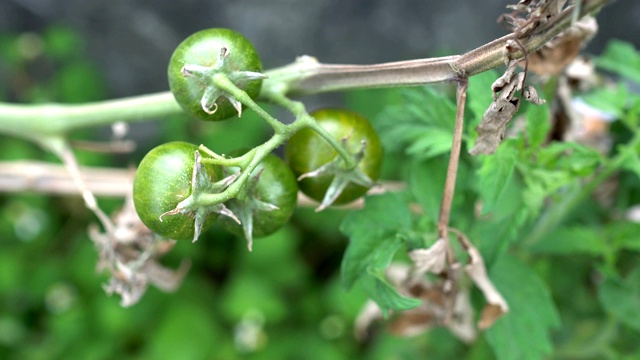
(163,278)
(461,324)
(554,56)
(441,306)
(505,79)
(130,252)
(531,95)
(369,314)
(490,313)
(433,259)
(492,128)
(496,304)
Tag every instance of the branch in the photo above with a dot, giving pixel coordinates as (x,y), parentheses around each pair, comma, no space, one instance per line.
(48,178)
(308,76)
(36,121)
(454,159)
(304,76)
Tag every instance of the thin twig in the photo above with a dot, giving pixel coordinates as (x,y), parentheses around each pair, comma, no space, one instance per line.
(452,169)
(90,201)
(48,178)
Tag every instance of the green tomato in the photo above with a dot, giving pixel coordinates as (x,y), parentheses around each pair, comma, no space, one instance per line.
(307,151)
(162,180)
(266,202)
(209,52)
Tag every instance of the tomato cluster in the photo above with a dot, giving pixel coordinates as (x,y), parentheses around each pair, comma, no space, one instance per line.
(173,173)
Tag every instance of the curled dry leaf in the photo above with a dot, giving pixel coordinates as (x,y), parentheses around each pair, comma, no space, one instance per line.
(496,304)
(550,59)
(531,95)
(494,122)
(131,252)
(433,259)
(444,299)
(493,126)
(527,15)
(439,307)
(554,56)
(506,88)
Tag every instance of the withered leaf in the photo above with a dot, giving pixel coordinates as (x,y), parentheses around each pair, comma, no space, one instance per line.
(496,304)
(433,259)
(439,308)
(130,253)
(531,95)
(492,128)
(553,57)
(505,79)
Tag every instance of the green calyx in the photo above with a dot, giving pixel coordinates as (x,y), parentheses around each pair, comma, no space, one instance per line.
(212,80)
(342,175)
(247,205)
(202,184)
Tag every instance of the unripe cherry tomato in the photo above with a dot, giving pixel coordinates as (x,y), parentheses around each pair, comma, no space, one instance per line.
(162,180)
(204,54)
(307,151)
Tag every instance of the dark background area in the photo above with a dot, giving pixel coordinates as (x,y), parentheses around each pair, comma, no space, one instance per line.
(131,41)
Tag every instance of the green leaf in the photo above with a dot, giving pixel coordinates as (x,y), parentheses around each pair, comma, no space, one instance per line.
(610,101)
(624,235)
(431,143)
(420,124)
(621,297)
(572,241)
(383,293)
(374,234)
(538,124)
(568,157)
(426,181)
(523,333)
(495,173)
(630,158)
(621,58)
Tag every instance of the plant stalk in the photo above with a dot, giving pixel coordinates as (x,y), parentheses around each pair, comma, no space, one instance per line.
(304,76)
(452,169)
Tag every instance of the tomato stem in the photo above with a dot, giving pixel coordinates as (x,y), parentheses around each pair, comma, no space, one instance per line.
(304,120)
(223,82)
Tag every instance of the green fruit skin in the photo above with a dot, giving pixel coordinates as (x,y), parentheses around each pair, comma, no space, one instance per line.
(306,151)
(203,48)
(277,186)
(162,180)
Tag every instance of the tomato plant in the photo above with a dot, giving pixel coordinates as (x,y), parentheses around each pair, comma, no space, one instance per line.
(492,244)
(308,152)
(164,179)
(266,203)
(204,55)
